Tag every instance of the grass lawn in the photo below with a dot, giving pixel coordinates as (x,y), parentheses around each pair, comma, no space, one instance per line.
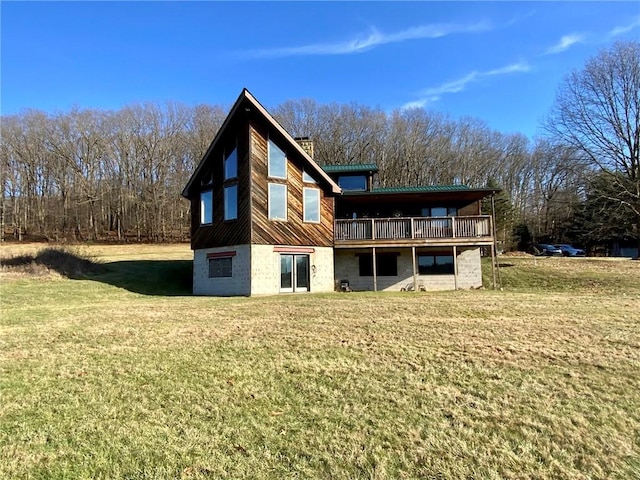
(122,374)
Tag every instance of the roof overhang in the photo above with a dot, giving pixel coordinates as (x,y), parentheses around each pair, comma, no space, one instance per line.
(247,100)
(466,195)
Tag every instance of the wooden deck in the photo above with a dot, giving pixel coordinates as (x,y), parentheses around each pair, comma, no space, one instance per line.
(413,231)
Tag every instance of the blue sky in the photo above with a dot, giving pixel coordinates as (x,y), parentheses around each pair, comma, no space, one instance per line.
(498,61)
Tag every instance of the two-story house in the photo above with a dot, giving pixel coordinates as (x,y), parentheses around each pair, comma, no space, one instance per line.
(265,219)
(262,211)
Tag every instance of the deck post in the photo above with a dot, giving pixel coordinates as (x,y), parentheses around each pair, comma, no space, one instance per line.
(375,273)
(455,267)
(453,227)
(413,263)
(494,246)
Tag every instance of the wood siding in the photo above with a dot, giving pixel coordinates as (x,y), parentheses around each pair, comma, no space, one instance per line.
(471,209)
(233,232)
(293,231)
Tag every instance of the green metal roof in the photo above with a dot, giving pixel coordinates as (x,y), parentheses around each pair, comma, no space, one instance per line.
(423,189)
(359,167)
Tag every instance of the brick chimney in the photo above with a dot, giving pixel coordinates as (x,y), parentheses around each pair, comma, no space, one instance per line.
(306,143)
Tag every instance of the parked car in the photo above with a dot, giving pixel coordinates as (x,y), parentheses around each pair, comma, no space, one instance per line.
(546,250)
(570,250)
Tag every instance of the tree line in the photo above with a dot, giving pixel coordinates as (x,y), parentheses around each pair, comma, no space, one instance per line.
(98,175)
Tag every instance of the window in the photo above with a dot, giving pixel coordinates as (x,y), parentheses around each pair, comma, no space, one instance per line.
(439,212)
(206,207)
(306,178)
(386,264)
(277,161)
(435,264)
(231,165)
(277,201)
(353,183)
(221,267)
(311,205)
(231,202)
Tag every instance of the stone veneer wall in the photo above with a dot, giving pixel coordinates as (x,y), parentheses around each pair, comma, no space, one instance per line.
(265,270)
(238,284)
(469,268)
(469,271)
(256,271)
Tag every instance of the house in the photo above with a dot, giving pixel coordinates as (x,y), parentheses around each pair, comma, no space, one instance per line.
(266,219)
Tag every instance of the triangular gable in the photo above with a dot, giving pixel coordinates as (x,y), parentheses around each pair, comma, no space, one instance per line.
(314,168)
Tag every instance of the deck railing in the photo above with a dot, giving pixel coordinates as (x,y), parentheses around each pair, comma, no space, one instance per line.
(413,228)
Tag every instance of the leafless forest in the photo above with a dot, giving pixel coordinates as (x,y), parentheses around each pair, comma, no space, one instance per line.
(117,175)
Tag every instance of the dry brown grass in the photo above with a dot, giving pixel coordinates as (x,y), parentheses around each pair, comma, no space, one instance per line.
(103,382)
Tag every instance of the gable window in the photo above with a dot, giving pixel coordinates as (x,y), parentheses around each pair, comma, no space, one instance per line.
(277,161)
(231,165)
(357,183)
(386,264)
(221,267)
(206,207)
(435,264)
(277,201)
(231,202)
(306,178)
(311,205)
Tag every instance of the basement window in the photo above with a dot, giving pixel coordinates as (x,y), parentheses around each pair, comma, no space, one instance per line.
(435,264)
(386,265)
(221,267)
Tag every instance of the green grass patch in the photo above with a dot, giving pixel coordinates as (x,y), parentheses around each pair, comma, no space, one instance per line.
(122,374)
(597,275)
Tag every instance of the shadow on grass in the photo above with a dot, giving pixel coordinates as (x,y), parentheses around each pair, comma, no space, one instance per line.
(147,277)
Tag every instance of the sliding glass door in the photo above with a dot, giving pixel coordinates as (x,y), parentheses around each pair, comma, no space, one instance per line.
(294,273)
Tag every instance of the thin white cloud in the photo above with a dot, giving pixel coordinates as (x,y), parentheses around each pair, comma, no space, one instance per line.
(565,42)
(519,67)
(620,30)
(433,94)
(451,87)
(370,40)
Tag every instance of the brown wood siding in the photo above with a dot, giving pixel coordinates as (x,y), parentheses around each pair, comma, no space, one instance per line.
(234,232)
(471,209)
(293,231)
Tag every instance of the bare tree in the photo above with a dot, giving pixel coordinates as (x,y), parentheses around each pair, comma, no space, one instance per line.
(557,175)
(597,110)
